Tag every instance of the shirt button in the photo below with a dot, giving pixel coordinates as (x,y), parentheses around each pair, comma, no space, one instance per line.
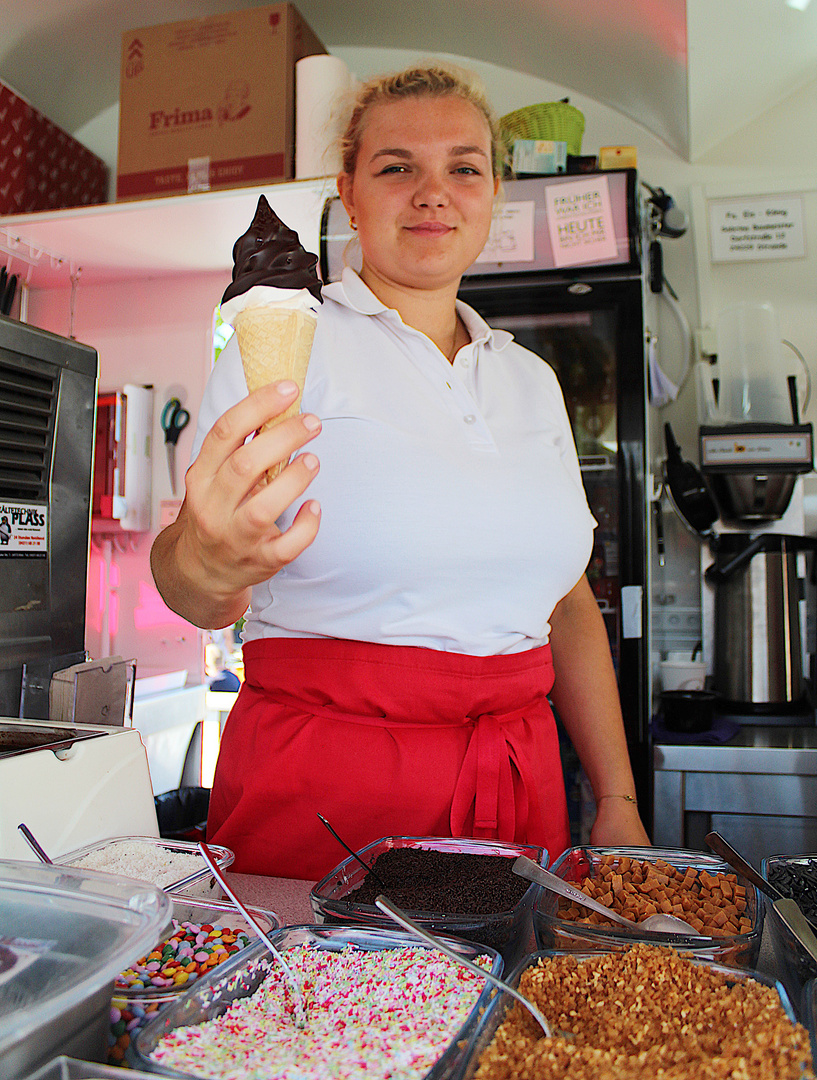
(465,360)
(470,418)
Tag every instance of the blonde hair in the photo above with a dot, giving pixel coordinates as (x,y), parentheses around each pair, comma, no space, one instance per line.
(432,80)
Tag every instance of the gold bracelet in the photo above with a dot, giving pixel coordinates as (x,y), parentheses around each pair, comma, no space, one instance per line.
(627,798)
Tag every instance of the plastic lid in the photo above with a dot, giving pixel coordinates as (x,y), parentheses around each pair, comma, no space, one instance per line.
(65,934)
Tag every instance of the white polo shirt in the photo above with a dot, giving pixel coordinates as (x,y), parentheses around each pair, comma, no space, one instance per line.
(453,511)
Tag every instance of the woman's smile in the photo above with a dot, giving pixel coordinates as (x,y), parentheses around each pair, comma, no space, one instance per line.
(430,228)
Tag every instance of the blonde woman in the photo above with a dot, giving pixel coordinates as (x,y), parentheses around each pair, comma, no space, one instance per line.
(414,580)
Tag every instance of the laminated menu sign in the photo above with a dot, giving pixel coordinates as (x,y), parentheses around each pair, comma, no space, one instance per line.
(23,529)
(511,236)
(580,221)
(758,227)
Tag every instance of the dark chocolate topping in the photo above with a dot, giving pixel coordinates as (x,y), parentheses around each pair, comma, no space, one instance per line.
(271,254)
(442,881)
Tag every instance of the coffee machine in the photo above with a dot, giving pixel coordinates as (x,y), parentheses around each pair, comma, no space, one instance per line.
(753,452)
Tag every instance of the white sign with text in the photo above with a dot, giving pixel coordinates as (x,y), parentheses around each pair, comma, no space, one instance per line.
(23,529)
(580,221)
(511,236)
(759,227)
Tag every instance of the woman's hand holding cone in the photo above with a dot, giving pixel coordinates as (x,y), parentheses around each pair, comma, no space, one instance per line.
(225,539)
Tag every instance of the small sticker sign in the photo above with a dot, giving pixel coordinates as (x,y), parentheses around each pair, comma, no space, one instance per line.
(23,529)
(168,511)
(760,227)
(511,236)
(580,222)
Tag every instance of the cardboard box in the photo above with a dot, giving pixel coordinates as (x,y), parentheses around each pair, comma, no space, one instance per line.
(42,167)
(210,103)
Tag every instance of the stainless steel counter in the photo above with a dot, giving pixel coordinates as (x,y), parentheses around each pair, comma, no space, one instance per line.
(753,749)
(759,790)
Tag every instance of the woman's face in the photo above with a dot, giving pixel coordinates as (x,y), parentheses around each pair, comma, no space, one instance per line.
(422,191)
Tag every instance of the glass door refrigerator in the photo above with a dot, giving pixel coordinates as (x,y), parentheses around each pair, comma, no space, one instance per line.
(580,305)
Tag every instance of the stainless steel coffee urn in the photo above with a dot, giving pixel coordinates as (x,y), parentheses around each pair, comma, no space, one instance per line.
(758,655)
(754,451)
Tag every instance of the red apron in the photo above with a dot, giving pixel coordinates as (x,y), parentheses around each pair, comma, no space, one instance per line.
(383,740)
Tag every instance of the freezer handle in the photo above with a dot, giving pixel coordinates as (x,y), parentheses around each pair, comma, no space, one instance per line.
(631,614)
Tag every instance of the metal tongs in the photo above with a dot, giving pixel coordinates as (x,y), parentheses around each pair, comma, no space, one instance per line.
(290,974)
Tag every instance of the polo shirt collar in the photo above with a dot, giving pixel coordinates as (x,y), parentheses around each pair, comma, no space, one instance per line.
(352,292)
(479,331)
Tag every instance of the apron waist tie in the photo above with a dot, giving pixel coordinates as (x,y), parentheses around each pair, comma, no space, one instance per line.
(485,782)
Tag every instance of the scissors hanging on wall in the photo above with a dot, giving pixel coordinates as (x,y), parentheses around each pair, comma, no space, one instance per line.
(174,420)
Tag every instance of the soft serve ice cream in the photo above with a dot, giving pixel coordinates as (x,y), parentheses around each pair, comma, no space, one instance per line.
(273,302)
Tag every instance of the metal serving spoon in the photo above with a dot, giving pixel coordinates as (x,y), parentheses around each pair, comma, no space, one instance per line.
(792,915)
(32,843)
(354,854)
(207,855)
(657,924)
(402,919)
(787,908)
(737,862)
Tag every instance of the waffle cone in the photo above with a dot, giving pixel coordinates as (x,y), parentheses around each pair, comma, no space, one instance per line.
(275,343)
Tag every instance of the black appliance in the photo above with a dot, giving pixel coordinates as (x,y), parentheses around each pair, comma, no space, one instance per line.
(47,417)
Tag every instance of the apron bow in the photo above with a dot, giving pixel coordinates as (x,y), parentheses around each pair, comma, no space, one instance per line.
(494,783)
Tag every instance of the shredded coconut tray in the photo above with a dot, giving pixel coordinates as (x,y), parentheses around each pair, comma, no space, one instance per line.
(167,864)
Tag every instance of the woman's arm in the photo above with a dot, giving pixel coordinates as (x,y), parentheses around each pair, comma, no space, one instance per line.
(225,539)
(585,695)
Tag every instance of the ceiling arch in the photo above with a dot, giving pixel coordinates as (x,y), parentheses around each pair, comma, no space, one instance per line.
(690,71)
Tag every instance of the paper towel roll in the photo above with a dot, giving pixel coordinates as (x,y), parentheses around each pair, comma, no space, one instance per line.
(319,81)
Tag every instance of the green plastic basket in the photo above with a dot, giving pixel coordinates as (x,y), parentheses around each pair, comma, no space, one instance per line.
(556,120)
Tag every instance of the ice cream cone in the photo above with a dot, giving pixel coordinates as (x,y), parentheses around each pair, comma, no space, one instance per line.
(275,342)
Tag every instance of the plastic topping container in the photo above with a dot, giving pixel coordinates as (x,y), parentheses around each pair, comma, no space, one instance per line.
(808,1013)
(209,934)
(509,932)
(576,864)
(483,1034)
(65,937)
(795,876)
(69,1068)
(241,977)
(114,856)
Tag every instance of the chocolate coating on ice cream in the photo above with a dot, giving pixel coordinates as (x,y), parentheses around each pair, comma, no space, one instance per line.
(271,254)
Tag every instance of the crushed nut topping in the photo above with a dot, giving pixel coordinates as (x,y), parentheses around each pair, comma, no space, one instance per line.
(646,1013)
